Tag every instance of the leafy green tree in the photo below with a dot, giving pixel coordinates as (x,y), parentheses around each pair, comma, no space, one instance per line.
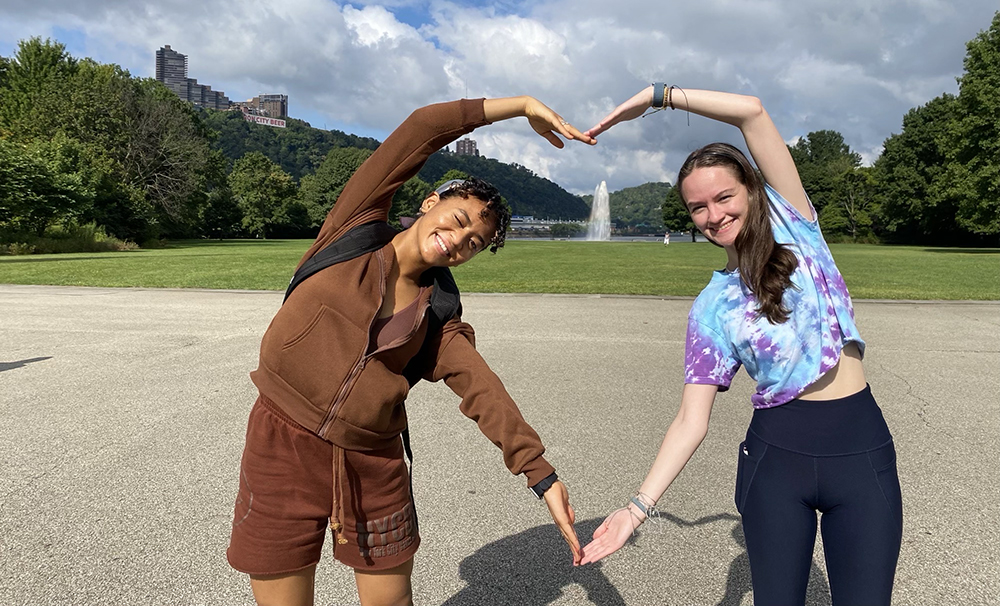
(827,166)
(972,180)
(406,202)
(850,210)
(821,158)
(261,189)
(293,220)
(42,183)
(319,192)
(675,215)
(221,216)
(147,151)
(27,190)
(36,84)
(910,207)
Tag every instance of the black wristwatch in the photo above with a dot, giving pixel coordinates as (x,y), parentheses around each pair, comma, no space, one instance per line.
(540,488)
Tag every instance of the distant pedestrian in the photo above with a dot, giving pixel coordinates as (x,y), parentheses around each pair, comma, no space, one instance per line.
(666,238)
(817,441)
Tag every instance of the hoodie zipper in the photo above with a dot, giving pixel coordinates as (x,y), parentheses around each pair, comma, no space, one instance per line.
(353,375)
(331,414)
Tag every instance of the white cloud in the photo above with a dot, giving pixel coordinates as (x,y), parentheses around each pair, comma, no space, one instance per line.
(374,25)
(500,56)
(852,66)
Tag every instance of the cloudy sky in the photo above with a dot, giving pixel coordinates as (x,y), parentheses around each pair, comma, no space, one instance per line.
(855,66)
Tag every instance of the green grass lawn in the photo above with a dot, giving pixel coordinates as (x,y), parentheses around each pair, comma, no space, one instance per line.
(641,268)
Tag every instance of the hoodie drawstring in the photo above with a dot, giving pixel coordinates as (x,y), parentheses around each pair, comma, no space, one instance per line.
(337,513)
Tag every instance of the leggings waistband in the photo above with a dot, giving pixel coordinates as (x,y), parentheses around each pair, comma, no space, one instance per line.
(843,426)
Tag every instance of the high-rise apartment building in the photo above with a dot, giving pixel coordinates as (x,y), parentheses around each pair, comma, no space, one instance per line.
(466,147)
(171,70)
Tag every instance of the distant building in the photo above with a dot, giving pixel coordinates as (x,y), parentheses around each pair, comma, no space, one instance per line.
(171,70)
(466,147)
(272,106)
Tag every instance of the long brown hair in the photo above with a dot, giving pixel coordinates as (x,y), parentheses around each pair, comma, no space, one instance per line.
(765,266)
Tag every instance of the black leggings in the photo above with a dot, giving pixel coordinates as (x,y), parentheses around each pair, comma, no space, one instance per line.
(835,457)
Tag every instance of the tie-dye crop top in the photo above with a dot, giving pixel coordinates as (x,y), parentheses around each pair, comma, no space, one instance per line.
(724,332)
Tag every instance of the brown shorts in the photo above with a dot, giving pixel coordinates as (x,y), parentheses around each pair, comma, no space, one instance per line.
(286,500)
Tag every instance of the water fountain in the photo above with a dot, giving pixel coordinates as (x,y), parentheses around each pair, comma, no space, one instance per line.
(599,227)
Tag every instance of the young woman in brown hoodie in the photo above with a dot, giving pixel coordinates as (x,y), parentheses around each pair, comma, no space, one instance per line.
(323,440)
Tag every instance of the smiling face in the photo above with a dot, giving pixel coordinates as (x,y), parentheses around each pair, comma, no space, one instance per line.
(718,203)
(453,230)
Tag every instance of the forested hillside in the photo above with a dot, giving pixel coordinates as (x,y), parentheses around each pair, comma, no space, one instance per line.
(299,149)
(526,192)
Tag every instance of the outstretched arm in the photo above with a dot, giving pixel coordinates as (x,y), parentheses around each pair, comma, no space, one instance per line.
(684,436)
(486,401)
(764,141)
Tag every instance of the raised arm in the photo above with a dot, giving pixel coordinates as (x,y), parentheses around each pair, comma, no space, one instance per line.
(368,194)
(744,112)
(683,437)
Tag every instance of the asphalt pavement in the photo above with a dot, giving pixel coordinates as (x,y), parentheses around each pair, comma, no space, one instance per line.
(124,412)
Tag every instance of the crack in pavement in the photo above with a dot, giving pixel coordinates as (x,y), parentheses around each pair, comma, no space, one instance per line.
(925,404)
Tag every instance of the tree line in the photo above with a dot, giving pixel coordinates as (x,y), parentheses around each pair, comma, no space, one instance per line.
(88,148)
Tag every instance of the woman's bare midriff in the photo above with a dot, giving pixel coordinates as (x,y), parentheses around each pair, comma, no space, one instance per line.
(844,379)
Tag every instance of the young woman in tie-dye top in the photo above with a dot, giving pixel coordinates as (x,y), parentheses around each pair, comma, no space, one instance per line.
(780,308)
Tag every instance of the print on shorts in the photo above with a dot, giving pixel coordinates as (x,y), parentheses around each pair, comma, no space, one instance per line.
(243,499)
(388,535)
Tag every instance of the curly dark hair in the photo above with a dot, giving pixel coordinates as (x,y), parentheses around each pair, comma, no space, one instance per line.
(496,208)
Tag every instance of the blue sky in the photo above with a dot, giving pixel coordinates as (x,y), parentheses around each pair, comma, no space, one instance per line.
(855,66)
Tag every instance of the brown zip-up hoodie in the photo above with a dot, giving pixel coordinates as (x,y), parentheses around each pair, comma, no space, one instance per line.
(312,358)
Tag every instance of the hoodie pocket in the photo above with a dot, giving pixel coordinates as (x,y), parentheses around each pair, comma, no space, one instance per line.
(316,360)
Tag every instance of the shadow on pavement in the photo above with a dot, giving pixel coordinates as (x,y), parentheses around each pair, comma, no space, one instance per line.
(531,568)
(738,580)
(21,363)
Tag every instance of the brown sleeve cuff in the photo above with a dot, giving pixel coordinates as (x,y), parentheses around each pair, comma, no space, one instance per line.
(537,470)
(473,112)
